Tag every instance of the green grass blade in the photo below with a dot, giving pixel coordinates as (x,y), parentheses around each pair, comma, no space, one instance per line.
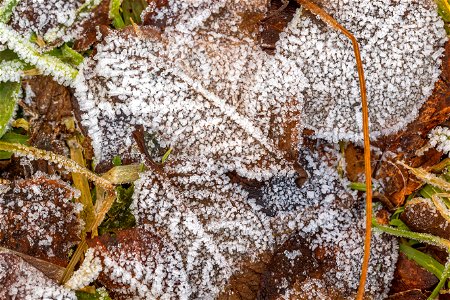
(114,13)
(47,64)
(442,280)
(444,9)
(9,92)
(12,137)
(423,260)
(6,10)
(422,237)
(358,186)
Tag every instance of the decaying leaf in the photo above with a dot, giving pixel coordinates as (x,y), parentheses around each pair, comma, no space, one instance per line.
(38,218)
(422,216)
(55,20)
(410,276)
(215,239)
(19,280)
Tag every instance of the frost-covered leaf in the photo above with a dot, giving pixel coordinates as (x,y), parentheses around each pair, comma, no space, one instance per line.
(401,46)
(330,220)
(52,19)
(29,53)
(38,218)
(131,264)
(209,233)
(6,10)
(20,280)
(421,215)
(204,96)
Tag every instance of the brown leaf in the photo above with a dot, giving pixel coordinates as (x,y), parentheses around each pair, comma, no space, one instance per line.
(99,16)
(125,251)
(408,295)
(422,216)
(294,265)
(38,218)
(19,280)
(409,276)
(274,23)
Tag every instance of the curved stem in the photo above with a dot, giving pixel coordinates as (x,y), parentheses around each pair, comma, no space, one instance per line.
(365,115)
(65,162)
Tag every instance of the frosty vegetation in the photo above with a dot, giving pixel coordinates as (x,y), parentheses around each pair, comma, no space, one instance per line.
(39,218)
(207,233)
(20,280)
(203,87)
(401,45)
(50,19)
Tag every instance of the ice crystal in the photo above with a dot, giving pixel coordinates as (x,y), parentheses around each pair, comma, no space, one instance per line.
(89,271)
(20,280)
(205,89)
(328,216)
(28,52)
(401,45)
(10,71)
(440,139)
(213,227)
(209,230)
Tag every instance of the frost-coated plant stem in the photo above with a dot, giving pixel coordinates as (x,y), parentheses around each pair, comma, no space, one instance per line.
(427,177)
(49,65)
(63,161)
(425,238)
(365,118)
(441,283)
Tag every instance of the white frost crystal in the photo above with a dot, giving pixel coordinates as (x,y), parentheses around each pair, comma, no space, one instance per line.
(209,229)
(20,280)
(401,46)
(47,18)
(440,139)
(207,95)
(88,271)
(10,71)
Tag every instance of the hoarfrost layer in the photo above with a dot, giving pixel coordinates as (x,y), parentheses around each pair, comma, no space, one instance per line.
(206,94)
(20,280)
(328,216)
(49,19)
(401,45)
(210,230)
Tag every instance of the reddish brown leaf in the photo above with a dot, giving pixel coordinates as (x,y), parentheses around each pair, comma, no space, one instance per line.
(408,295)
(409,276)
(424,217)
(38,218)
(19,280)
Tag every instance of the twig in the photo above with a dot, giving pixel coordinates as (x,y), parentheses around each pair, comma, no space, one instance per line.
(365,114)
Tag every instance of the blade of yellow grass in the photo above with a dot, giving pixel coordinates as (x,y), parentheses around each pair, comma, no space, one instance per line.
(81,249)
(427,177)
(105,200)
(82,184)
(63,161)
